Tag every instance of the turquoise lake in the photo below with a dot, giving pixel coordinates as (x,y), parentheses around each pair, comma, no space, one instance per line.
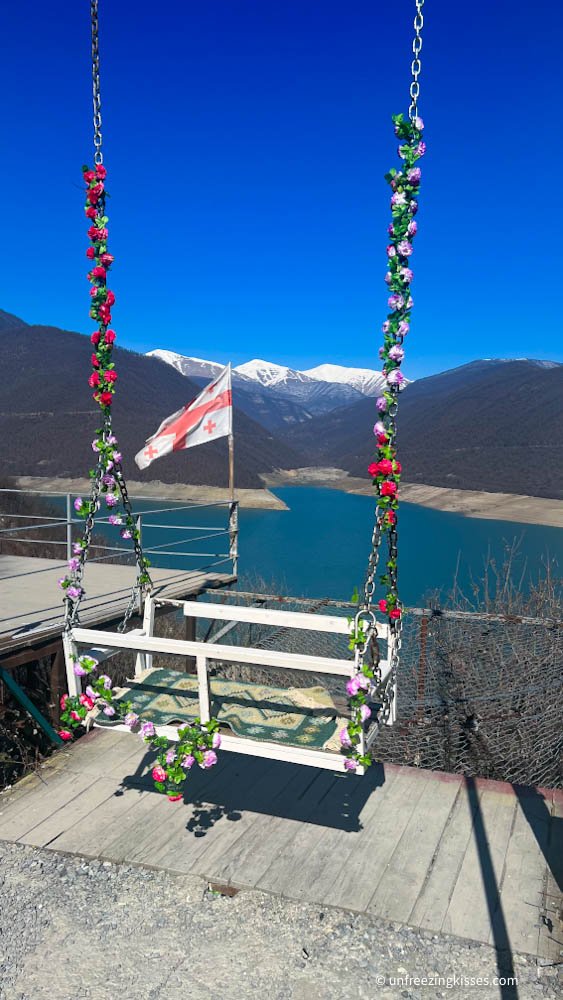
(319,547)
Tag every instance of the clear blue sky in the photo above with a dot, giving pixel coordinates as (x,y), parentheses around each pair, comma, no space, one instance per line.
(246,143)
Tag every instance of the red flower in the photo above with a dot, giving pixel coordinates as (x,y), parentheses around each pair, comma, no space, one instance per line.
(101,171)
(110,376)
(110,299)
(107,259)
(105,398)
(86,701)
(90,253)
(98,272)
(388,489)
(175,798)
(96,234)
(382,605)
(94,380)
(95,362)
(90,212)
(105,314)
(64,734)
(391,517)
(385,466)
(89,176)
(93,194)
(95,338)
(110,336)
(398,467)
(63,701)
(395,614)
(382,439)
(373,469)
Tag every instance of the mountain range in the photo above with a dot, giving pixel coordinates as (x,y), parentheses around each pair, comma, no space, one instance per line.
(277,396)
(494,424)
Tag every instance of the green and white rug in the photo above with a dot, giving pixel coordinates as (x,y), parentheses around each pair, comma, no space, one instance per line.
(298,716)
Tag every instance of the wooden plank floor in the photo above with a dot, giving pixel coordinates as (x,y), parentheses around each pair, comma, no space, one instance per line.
(478,859)
(31,603)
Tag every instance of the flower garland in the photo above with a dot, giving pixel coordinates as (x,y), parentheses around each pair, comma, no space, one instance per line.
(108,475)
(196,742)
(386,469)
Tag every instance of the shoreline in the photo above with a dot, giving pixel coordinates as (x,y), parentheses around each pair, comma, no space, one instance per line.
(518,508)
(251,499)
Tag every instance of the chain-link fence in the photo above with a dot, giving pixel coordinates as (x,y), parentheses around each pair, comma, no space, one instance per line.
(479,694)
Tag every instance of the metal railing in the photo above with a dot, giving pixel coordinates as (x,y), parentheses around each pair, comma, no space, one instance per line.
(70,527)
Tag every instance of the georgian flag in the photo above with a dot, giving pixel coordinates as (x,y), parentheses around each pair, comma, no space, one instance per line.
(208,417)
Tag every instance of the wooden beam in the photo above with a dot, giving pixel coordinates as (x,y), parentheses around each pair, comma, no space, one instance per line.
(231,654)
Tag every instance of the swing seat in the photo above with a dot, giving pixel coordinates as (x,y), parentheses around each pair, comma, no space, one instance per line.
(298,725)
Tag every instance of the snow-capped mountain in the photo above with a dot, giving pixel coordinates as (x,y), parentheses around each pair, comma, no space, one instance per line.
(192,367)
(366,381)
(270,374)
(273,394)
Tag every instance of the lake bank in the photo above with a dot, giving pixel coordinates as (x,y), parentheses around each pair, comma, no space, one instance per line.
(470,503)
(255,499)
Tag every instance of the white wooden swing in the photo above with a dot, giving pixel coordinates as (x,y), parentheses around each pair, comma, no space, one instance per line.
(102,644)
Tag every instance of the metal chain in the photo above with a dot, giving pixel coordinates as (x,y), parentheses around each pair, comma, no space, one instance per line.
(416,65)
(72,606)
(96,96)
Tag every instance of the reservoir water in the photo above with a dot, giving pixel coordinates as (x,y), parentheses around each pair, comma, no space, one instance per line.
(319,547)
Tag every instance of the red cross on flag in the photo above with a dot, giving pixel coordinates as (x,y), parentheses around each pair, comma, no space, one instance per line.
(208,417)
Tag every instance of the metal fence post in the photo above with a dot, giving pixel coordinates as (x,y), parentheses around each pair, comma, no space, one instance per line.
(233,535)
(68,526)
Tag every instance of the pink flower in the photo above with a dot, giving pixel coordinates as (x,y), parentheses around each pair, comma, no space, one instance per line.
(345,738)
(414,175)
(188,761)
(381,404)
(406,273)
(90,693)
(109,710)
(111,500)
(64,734)
(352,686)
(73,564)
(385,326)
(131,720)
(391,252)
(403,328)
(216,741)
(125,533)
(115,519)
(209,759)
(75,716)
(63,701)
(399,198)
(175,798)
(101,171)
(110,376)
(395,301)
(365,712)
(412,228)
(74,593)
(147,730)
(379,428)
(395,377)
(405,248)
(418,123)
(107,259)
(350,765)
(77,548)
(117,457)
(78,503)
(396,353)
(158,773)
(86,701)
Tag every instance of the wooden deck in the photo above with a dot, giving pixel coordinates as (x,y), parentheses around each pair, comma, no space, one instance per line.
(31,608)
(479,859)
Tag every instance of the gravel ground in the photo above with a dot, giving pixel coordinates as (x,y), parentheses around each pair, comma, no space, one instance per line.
(73,929)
